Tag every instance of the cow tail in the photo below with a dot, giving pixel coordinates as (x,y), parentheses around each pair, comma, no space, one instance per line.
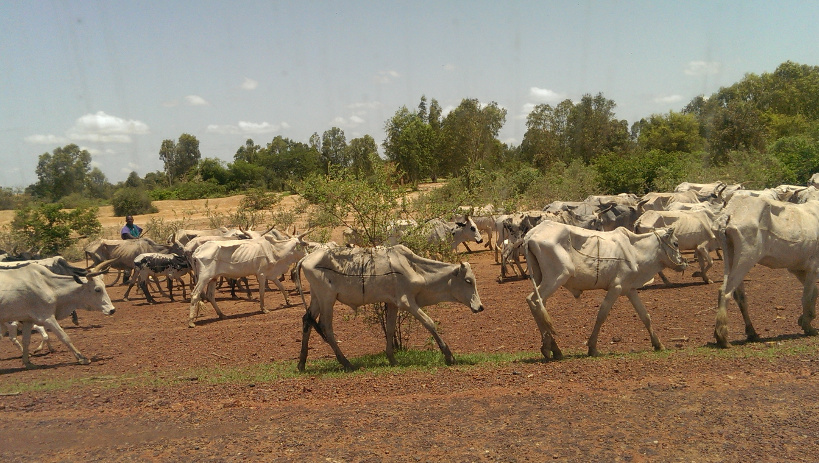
(309,320)
(534,276)
(297,272)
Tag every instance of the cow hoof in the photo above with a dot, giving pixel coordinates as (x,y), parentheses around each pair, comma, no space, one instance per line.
(811,331)
(594,353)
(83,361)
(191,325)
(265,311)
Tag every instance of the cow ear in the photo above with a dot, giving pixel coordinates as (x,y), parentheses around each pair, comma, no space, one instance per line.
(460,224)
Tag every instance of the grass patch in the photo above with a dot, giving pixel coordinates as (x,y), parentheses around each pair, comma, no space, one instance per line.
(407,361)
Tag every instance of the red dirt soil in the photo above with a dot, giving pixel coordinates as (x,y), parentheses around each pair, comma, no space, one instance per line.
(694,402)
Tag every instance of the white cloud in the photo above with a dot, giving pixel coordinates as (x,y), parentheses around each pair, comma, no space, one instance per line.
(449,67)
(105,128)
(385,77)
(195,100)
(668,99)
(701,68)
(544,95)
(46,140)
(244,127)
(349,122)
(249,84)
(365,105)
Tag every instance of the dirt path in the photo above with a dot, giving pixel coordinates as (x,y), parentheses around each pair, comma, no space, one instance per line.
(755,402)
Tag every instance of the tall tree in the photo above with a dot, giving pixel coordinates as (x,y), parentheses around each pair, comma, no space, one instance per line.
(179,157)
(249,152)
(409,144)
(333,148)
(669,132)
(469,135)
(62,172)
(363,155)
(593,128)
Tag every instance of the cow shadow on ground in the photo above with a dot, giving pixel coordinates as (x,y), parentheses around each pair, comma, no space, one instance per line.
(761,340)
(238,316)
(5,371)
(686,284)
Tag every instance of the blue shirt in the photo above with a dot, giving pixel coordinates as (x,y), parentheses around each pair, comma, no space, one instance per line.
(133,230)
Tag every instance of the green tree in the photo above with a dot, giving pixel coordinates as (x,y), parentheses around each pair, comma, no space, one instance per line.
(469,135)
(593,128)
(61,173)
(98,185)
(670,132)
(799,157)
(334,148)
(363,155)
(409,144)
(48,227)
(249,152)
(179,157)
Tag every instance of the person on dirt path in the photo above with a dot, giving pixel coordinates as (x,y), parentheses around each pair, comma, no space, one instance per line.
(130,231)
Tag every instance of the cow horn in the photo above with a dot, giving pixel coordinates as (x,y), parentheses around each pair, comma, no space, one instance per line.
(301,236)
(102,267)
(268,230)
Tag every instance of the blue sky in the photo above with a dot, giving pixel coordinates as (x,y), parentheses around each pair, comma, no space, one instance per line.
(119,77)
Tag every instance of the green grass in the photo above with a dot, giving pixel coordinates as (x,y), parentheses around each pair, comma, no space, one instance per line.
(377,364)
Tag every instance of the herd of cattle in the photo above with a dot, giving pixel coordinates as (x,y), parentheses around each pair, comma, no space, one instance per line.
(616,243)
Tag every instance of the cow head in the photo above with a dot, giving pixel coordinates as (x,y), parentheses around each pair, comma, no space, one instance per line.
(467,230)
(670,254)
(464,287)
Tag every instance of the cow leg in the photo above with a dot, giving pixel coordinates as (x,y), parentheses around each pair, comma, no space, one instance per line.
(465,245)
(51,324)
(742,303)
(732,282)
(548,344)
(262,285)
(324,326)
(45,341)
(143,284)
(390,321)
(155,279)
(128,291)
(26,326)
(665,280)
(705,261)
(429,324)
(602,314)
(211,295)
(809,294)
(644,317)
(284,292)
(306,327)
(11,329)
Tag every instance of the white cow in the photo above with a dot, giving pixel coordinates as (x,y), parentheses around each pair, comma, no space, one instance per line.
(618,261)
(453,233)
(265,257)
(392,275)
(659,201)
(693,230)
(756,230)
(33,295)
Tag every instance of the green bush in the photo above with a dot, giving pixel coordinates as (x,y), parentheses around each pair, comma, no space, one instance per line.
(132,201)
(48,228)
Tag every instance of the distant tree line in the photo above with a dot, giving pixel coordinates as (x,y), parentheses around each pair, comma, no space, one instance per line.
(763,130)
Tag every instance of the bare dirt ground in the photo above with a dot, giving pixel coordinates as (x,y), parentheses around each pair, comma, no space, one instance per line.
(692,402)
